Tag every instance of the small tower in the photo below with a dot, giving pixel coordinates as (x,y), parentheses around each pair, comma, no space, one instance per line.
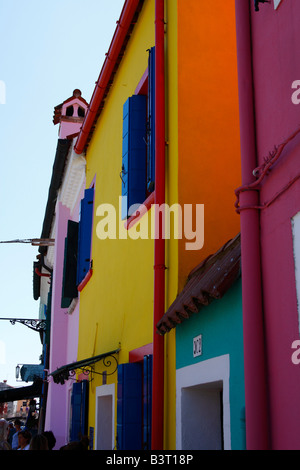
(70,115)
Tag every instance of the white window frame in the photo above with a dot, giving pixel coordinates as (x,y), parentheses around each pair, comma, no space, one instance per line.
(276,4)
(212,370)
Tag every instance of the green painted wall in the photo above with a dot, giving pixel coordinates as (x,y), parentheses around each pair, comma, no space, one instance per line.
(221,327)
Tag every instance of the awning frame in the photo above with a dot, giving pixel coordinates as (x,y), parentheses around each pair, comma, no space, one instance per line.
(87,366)
(22,393)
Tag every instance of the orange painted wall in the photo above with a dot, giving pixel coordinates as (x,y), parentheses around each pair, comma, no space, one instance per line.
(208,122)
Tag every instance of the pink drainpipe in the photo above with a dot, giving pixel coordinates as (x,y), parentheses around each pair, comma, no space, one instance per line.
(257,435)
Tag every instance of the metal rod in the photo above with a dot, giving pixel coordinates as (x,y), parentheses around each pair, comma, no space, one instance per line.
(33,241)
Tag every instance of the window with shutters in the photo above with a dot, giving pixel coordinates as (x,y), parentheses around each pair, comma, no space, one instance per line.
(69,284)
(134,404)
(138,149)
(77,253)
(84,261)
(79,410)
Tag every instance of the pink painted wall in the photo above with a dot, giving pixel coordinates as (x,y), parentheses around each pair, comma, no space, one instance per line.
(56,401)
(275,41)
(64,336)
(64,326)
(71,124)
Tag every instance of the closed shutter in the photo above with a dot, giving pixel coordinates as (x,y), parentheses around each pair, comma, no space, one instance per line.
(79,410)
(48,316)
(36,280)
(69,287)
(134,153)
(129,407)
(151,122)
(147,401)
(85,235)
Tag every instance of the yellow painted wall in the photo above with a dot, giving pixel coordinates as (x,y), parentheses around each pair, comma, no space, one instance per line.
(116,306)
(171,82)
(202,166)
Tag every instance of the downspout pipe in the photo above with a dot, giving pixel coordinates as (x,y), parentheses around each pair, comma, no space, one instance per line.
(157,433)
(256,404)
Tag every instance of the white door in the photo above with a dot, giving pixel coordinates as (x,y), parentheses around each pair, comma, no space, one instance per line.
(104,433)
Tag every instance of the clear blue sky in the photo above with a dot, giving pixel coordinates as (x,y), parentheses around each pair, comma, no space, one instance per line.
(47,49)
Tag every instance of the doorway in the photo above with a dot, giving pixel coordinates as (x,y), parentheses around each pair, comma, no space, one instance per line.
(202,417)
(202,405)
(104,436)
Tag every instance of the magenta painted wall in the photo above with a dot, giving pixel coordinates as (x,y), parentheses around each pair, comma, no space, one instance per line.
(275,42)
(64,336)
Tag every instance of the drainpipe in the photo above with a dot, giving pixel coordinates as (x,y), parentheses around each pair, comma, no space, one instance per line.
(257,435)
(159,242)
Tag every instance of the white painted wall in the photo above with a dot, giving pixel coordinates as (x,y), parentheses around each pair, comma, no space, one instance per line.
(276,3)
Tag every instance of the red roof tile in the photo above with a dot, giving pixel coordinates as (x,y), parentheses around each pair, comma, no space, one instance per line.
(208,281)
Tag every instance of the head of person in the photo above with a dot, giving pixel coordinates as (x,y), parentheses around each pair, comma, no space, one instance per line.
(24,438)
(39,442)
(50,438)
(18,424)
(3,429)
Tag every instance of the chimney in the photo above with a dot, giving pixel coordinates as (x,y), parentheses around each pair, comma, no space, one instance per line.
(70,115)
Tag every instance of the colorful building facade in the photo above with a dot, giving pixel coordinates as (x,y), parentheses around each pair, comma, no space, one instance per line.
(191,98)
(156,132)
(268,203)
(53,285)
(208,318)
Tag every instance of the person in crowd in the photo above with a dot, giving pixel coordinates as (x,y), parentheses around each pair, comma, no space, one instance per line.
(15,440)
(38,442)
(50,438)
(11,432)
(4,430)
(83,444)
(24,437)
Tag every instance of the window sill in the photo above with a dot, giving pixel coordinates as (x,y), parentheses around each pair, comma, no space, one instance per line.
(145,207)
(85,280)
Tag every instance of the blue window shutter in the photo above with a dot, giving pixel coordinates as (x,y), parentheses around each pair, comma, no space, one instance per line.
(151,122)
(134,153)
(69,288)
(84,406)
(129,407)
(79,410)
(85,234)
(147,401)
